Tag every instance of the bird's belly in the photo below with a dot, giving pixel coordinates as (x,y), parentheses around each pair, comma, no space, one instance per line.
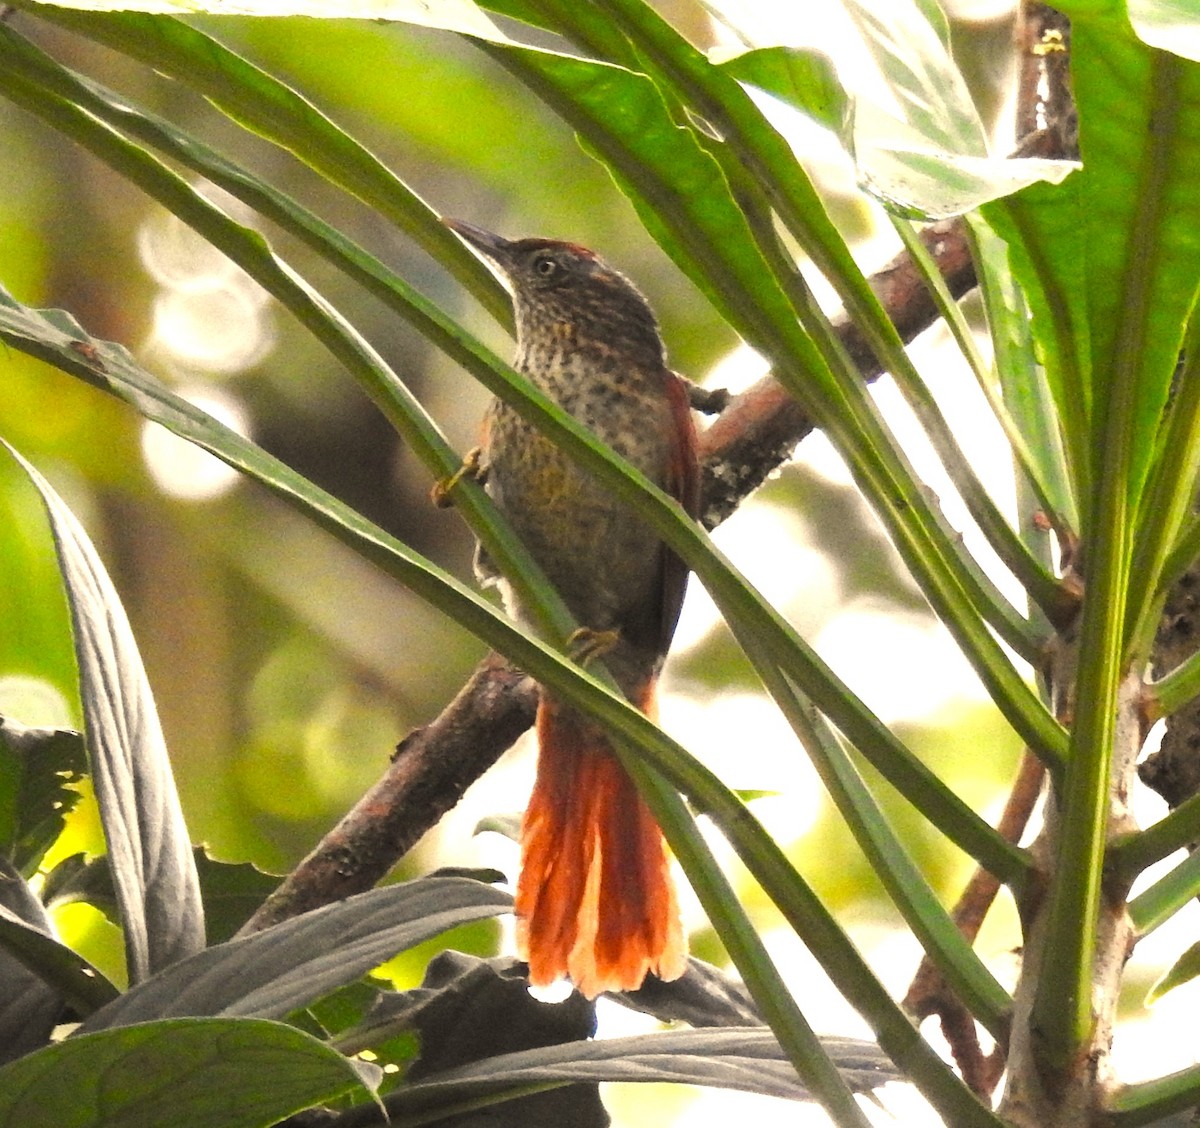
(605,562)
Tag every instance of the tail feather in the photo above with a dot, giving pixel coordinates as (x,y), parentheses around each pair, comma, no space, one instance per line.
(595,899)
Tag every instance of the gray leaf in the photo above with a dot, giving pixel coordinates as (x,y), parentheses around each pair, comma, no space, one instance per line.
(149,852)
(271,973)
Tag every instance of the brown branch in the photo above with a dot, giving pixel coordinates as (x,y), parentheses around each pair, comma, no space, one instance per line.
(432,767)
(1174,770)
(929,993)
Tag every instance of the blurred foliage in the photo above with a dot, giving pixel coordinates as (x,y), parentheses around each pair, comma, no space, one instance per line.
(284,668)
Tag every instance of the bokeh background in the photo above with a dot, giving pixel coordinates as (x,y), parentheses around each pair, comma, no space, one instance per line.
(286,669)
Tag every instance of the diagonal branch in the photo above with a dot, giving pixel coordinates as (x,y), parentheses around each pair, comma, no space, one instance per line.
(434,765)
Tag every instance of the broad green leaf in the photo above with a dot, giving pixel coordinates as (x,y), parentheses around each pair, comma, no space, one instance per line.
(804,79)
(1169,25)
(37,768)
(149,850)
(1140,141)
(205,1073)
(929,156)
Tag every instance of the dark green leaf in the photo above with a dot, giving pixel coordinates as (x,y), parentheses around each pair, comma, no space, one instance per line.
(731,1058)
(231,892)
(29,1006)
(72,977)
(37,768)
(274,972)
(205,1073)
(149,851)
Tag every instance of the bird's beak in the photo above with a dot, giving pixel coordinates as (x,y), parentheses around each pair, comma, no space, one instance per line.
(491,246)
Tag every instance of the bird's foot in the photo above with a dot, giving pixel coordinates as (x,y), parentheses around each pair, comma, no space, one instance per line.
(708,401)
(472,468)
(586,645)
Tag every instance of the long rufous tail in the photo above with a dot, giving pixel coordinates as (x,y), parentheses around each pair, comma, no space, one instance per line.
(595,899)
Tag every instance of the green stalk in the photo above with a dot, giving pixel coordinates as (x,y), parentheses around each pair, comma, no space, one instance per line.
(1162,900)
(1062,1012)
(1154,1102)
(1132,853)
(745,947)
(938,934)
(1168,500)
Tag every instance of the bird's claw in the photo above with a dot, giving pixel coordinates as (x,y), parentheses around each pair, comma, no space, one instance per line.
(472,467)
(586,645)
(708,401)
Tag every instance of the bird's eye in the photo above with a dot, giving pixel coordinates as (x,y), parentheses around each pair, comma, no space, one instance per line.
(545,266)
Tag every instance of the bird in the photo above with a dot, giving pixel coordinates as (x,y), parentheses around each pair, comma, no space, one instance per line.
(595,901)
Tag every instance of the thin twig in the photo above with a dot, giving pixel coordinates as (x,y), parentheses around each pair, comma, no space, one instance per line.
(929,994)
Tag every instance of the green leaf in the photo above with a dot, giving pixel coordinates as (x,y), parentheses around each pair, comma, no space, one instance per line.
(452,15)
(203,1072)
(276,971)
(1026,408)
(75,980)
(932,160)
(805,79)
(1183,970)
(38,767)
(1140,140)
(230,891)
(264,105)
(148,845)
(30,1007)
(748,1059)
(1156,904)
(1169,25)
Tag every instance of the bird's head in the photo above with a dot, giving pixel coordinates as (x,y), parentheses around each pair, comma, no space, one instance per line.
(561,288)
